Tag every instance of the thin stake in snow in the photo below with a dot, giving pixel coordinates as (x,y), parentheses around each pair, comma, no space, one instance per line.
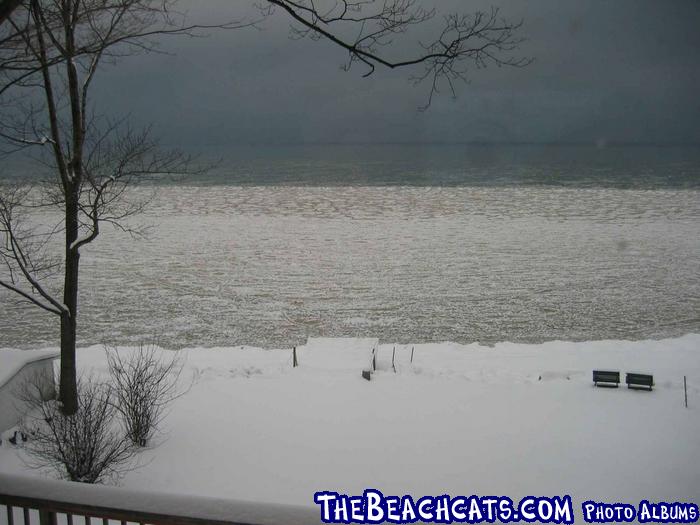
(295,363)
(685,389)
(393,355)
(412,349)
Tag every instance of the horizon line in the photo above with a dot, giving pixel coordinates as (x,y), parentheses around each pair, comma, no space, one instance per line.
(603,145)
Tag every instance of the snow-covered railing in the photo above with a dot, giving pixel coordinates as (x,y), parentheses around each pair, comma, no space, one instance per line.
(31,500)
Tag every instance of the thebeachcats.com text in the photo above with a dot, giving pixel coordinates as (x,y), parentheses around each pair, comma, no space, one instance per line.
(374,507)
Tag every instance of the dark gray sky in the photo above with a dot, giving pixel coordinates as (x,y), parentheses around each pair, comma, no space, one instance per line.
(623,70)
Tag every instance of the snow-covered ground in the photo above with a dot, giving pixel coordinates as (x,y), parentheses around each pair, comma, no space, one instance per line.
(511,420)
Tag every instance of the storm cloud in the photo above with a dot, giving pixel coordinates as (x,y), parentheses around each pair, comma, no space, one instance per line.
(623,71)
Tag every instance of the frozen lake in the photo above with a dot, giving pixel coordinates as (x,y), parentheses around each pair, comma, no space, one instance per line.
(268,265)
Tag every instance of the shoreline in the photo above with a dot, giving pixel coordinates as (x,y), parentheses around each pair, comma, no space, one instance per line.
(246,346)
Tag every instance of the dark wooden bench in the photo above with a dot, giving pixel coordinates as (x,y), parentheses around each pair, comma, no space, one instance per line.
(608,378)
(639,380)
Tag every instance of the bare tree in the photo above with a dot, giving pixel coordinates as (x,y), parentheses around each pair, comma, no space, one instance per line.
(85,446)
(145,384)
(50,52)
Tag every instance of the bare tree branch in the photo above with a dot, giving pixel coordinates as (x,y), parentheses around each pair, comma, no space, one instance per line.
(23,251)
(29,298)
(363,27)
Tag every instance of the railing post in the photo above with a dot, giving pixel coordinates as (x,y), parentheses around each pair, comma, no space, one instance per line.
(46,517)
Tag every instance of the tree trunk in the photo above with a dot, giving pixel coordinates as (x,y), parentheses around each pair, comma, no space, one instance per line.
(68,388)
(68,381)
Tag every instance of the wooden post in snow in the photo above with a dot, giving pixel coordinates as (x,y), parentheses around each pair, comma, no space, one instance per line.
(295,363)
(685,389)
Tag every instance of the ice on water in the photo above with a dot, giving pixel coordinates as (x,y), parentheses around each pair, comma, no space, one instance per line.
(272,265)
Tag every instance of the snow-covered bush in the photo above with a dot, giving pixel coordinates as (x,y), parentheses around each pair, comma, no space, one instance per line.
(144,385)
(87,446)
